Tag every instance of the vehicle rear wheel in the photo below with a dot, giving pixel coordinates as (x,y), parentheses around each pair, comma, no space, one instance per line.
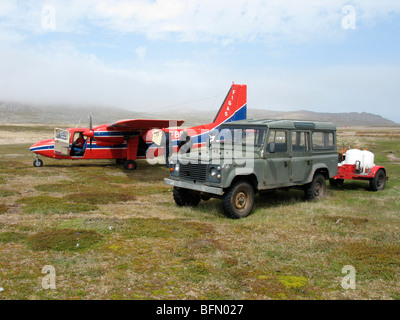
(336,182)
(317,188)
(379,181)
(239,200)
(38,163)
(130,164)
(185,197)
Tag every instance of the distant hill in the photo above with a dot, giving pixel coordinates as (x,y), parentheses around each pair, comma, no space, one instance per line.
(350,119)
(13,113)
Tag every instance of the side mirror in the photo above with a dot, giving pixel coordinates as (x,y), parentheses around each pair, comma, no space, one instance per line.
(272,147)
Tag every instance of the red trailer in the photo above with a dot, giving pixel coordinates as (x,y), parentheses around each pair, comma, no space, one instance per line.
(358,164)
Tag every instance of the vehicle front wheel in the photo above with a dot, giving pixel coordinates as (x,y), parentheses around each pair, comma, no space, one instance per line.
(378,182)
(317,188)
(238,202)
(130,165)
(38,163)
(185,197)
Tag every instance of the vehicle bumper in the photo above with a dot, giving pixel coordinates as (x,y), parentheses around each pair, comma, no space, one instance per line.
(191,186)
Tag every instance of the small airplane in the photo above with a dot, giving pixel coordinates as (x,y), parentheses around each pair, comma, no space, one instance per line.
(132,139)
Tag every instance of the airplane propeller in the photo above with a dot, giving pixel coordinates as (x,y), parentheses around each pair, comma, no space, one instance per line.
(89,133)
(91,130)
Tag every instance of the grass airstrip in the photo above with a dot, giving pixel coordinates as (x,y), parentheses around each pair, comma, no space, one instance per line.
(113,234)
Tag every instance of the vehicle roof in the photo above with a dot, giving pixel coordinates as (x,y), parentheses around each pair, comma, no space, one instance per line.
(285,124)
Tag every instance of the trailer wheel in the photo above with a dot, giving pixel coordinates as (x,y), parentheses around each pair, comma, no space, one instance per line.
(336,182)
(130,165)
(38,163)
(317,188)
(378,182)
(239,201)
(185,197)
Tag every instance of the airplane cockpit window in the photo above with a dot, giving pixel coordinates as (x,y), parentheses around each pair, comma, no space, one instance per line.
(62,134)
(157,137)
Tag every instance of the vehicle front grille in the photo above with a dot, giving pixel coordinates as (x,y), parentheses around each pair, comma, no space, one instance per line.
(194,172)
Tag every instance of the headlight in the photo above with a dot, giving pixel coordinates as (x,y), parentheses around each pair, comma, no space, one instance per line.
(214,173)
(174,169)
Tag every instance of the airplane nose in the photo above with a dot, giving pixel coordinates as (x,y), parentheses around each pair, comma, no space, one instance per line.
(34,146)
(42,147)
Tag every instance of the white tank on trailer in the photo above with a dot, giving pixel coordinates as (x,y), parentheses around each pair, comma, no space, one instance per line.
(366,159)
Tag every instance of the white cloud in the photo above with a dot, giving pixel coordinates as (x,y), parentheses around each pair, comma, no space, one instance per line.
(200,20)
(238,20)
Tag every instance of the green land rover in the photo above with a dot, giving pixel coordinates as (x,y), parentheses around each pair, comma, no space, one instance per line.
(256,156)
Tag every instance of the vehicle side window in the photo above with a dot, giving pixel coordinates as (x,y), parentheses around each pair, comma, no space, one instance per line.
(300,141)
(253,137)
(322,140)
(279,138)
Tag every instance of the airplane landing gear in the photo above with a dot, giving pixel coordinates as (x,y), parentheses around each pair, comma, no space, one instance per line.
(37,163)
(130,164)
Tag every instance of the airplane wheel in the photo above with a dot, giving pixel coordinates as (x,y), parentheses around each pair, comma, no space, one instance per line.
(130,165)
(38,163)
(119,161)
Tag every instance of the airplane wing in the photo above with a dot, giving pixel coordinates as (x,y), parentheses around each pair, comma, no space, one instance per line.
(146,124)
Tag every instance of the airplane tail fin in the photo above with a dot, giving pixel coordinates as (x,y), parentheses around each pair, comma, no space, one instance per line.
(234,106)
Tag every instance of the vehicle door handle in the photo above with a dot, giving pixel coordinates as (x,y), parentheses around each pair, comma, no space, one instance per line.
(286,163)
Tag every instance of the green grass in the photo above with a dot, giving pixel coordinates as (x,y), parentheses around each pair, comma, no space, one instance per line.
(7,192)
(52,205)
(63,240)
(6,237)
(135,243)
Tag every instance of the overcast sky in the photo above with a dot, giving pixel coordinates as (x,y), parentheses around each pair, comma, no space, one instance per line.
(327,56)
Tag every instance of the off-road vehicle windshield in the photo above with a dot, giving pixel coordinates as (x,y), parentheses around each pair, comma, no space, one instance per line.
(243,136)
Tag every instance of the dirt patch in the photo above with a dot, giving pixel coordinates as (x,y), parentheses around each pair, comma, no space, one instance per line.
(393,158)
(10,137)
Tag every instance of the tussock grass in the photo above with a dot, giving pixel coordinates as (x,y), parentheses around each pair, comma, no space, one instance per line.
(3,208)
(164,228)
(63,240)
(100,197)
(52,205)
(6,237)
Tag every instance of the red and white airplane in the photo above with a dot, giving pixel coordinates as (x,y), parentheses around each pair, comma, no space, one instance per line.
(128,140)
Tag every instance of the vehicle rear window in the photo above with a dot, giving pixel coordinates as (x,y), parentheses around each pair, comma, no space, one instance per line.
(322,140)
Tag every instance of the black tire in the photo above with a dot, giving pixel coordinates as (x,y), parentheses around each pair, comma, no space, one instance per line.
(185,197)
(336,182)
(37,163)
(379,181)
(317,188)
(238,202)
(130,165)
(119,161)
